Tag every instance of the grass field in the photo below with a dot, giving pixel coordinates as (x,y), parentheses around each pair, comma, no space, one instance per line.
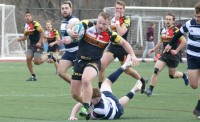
(49,99)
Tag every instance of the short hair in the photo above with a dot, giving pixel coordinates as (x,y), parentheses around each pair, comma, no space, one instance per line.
(105,15)
(48,21)
(197,8)
(122,3)
(170,14)
(67,2)
(96,93)
(27,12)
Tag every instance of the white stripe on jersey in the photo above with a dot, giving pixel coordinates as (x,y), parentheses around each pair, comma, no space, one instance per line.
(104,110)
(194,30)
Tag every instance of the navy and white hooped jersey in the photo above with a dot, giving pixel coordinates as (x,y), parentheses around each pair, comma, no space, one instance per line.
(193,47)
(72,47)
(105,109)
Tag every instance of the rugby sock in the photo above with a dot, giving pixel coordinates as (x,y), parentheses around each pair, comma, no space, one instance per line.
(143,85)
(99,84)
(33,75)
(184,75)
(114,76)
(52,57)
(151,87)
(86,105)
(198,105)
(130,95)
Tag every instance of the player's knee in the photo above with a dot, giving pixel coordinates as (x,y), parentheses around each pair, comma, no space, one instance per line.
(194,86)
(37,62)
(171,76)
(156,70)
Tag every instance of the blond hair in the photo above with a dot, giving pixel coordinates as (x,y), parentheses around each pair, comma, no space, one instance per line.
(119,2)
(105,15)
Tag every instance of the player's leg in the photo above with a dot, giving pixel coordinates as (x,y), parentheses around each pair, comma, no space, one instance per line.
(106,85)
(173,73)
(29,57)
(132,72)
(106,59)
(125,99)
(159,66)
(64,64)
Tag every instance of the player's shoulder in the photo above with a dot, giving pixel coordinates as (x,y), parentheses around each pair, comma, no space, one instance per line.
(36,23)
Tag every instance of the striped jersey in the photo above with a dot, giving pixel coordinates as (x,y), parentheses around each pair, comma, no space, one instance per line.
(193,47)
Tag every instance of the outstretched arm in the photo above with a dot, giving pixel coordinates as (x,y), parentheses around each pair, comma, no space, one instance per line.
(74,111)
(174,39)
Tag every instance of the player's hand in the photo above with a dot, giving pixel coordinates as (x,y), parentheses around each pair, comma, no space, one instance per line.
(167,48)
(173,52)
(117,16)
(38,44)
(59,42)
(72,118)
(51,44)
(72,34)
(151,51)
(134,60)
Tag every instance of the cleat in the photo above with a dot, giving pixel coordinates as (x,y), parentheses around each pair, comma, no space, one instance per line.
(148,92)
(196,113)
(51,56)
(143,86)
(84,113)
(31,79)
(186,79)
(137,86)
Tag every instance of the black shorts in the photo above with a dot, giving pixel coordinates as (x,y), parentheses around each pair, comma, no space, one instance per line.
(171,61)
(79,66)
(193,62)
(117,51)
(36,49)
(54,48)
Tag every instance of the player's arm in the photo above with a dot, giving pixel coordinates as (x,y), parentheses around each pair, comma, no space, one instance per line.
(74,112)
(158,46)
(173,40)
(71,24)
(22,38)
(122,29)
(181,45)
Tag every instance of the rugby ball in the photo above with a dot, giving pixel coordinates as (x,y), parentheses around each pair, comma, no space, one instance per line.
(80,30)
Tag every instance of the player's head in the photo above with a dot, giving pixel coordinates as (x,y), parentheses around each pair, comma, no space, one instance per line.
(197,13)
(28,17)
(103,22)
(120,7)
(96,96)
(48,25)
(169,19)
(66,8)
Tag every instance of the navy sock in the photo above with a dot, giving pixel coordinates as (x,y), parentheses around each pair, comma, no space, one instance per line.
(99,84)
(198,105)
(151,87)
(114,76)
(130,95)
(33,75)
(86,105)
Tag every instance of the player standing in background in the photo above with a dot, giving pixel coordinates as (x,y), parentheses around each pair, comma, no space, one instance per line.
(149,42)
(119,24)
(71,49)
(51,38)
(35,33)
(88,60)
(192,27)
(169,59)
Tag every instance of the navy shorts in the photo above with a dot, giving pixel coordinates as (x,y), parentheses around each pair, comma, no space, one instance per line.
(71,56)
(120,111)
(193,62)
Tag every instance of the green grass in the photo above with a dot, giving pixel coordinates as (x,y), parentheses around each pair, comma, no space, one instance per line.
(49,99)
